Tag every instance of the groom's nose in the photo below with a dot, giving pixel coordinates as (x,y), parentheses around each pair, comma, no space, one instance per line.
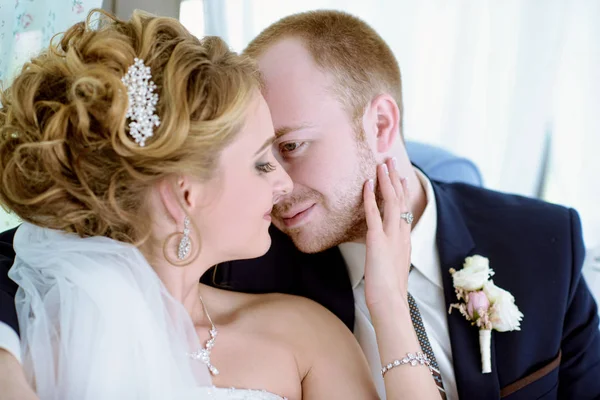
(283,186)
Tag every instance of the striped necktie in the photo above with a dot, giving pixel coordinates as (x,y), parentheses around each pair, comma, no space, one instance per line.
(415,316)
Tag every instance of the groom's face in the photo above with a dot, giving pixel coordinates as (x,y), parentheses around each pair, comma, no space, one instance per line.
(317,145)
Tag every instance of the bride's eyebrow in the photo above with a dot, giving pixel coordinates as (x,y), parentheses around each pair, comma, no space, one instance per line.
(266,144)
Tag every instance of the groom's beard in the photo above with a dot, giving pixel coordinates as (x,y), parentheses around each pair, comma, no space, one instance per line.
(330,225)
(339,219)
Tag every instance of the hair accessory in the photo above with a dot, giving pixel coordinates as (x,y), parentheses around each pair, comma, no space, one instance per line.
(142,102)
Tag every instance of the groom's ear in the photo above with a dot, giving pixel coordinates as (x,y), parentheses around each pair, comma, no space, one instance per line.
(386,118)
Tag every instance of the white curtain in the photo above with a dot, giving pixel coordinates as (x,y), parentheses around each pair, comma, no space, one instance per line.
(26,26)
(574,160)
(574,173)
(512,85)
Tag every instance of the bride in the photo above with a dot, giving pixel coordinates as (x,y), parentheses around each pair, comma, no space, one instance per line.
(139,157)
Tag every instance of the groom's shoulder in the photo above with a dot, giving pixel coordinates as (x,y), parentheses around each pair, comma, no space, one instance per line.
(473,200)
(6,244)
(496,216)
(8,235)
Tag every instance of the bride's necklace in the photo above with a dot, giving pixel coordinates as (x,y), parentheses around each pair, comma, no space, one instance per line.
(204,353)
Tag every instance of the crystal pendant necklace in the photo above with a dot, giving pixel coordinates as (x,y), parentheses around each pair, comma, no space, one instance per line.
(203,354)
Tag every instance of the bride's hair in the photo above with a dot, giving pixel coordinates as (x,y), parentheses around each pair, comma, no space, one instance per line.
(66,159)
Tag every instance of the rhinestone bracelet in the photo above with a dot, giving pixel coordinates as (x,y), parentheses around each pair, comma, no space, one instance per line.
(410,359)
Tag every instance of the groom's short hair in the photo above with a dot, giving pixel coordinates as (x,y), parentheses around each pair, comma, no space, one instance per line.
(360,61)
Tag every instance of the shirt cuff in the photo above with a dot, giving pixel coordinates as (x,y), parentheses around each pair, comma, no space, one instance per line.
(9,341)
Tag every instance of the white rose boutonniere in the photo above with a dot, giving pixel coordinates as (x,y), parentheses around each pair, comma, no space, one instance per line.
(476,271)
(484,304)
(505,315)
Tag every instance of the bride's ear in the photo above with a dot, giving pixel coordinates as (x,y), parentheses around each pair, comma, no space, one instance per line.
(177,196)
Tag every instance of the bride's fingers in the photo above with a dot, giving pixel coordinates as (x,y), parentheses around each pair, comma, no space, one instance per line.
(372,214)
(391,209)
(404,199)
(401,191)
(385,184)
(395,178)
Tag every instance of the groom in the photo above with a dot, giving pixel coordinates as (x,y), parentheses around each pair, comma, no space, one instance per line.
(334,90)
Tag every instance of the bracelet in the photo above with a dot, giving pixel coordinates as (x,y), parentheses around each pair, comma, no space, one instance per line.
(410,359)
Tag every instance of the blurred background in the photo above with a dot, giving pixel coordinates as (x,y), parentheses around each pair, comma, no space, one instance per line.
(512,85)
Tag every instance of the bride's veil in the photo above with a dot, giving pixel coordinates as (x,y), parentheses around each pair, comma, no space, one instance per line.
(97,323)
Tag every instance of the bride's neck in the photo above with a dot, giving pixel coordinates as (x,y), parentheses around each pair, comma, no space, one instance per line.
(183,284)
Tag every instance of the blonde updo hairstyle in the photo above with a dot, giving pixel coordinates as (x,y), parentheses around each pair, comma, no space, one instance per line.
(67,161)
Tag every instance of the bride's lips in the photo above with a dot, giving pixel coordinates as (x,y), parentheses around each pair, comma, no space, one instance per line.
(296,217)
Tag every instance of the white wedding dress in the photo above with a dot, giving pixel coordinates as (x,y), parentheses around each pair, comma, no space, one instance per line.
(237,394)
(97,323)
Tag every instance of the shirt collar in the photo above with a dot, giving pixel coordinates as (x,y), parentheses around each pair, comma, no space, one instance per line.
(424,255)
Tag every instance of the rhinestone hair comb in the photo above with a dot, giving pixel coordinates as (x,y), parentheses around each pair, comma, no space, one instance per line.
(142,102)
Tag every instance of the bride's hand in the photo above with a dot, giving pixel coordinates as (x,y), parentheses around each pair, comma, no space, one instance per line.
(387,262)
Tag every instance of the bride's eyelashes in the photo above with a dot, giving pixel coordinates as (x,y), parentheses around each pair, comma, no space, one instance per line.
(265,168)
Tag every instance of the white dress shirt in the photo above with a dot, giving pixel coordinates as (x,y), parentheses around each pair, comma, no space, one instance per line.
(424,284)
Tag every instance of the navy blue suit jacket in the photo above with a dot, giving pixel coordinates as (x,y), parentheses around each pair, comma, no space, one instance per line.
(537,252)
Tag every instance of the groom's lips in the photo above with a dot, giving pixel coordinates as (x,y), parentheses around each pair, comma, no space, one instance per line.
(295,218)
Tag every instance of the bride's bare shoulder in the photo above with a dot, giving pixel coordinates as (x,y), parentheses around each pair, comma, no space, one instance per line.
(279,312)
(291,309)
(293,316)
(315,338)
(276,314)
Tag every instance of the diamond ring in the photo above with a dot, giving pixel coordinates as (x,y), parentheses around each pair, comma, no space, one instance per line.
(408,217)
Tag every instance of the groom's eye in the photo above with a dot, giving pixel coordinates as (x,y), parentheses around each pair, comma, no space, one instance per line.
(289,147)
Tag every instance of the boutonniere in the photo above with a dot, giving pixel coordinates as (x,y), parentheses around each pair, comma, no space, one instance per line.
(484,304)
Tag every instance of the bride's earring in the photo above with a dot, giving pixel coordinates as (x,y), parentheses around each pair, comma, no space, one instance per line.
(185,252)
(185,244)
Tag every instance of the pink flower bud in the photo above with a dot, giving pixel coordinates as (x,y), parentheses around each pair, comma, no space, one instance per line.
(478,304)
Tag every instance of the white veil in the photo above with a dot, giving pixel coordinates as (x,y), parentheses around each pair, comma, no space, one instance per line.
(97,323)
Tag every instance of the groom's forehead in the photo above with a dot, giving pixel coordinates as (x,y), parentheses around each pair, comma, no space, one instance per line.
(297,91)
(288,49)
(295,87)
(287,62)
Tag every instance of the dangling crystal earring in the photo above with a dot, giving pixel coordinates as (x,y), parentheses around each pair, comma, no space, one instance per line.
(185,244)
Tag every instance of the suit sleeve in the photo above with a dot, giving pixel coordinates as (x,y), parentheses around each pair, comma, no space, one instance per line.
(580,366)
(8,288)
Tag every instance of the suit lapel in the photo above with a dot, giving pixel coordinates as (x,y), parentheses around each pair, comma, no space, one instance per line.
(454,243)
